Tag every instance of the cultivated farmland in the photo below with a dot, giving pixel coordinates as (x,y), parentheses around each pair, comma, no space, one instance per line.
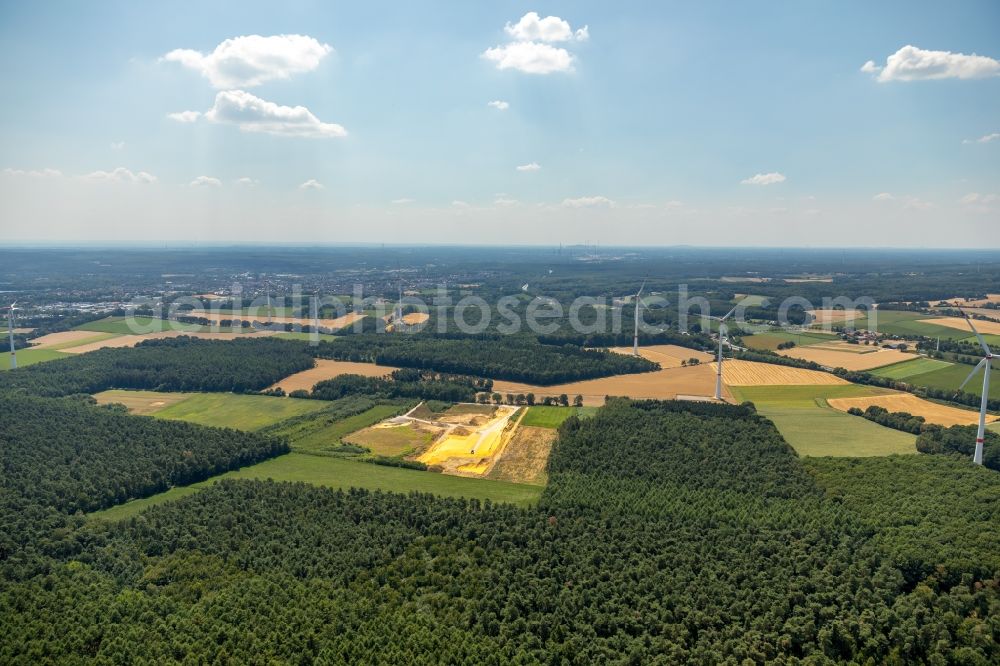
(917,366)
(958,323)
(327,369)
(858,358)
(751,373)
(904,402)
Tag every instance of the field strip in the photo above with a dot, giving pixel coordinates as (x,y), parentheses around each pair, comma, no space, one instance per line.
(327,369)
(752,373)
(118,341)
(932,412)
(985,327)
(64,339)
(848,360)
(668,356)
(339,322)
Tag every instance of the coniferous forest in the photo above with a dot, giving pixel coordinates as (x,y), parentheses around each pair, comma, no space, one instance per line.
(669,533)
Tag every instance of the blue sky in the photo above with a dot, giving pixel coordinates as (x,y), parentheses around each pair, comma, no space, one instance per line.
(704,123)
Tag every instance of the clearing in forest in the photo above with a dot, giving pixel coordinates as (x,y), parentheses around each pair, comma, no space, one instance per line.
(393,439)
(119,341)
(64,339)
(524,458)
(752,373)
(144,403)
(813,428)
(932,412)
(471,447)
(327,369)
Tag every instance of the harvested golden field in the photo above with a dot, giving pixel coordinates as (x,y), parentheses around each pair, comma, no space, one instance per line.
(414,318)
(326,369)
(730,278)
(339,322)
(666,384)
(822,316)
(974,303)
(932,412)
(849,360)
(140,402)
(985,327)
(524,458)
(65,339)
(133,340)
(751,373)
(807,279)
(668,356)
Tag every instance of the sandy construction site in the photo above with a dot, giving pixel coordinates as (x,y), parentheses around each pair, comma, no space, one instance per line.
(932,412)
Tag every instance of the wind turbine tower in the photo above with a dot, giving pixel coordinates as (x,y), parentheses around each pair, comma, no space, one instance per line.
(985,364)
(10,334)
(638,304)
(722,335)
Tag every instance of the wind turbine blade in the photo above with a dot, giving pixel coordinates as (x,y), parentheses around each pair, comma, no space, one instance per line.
(973,373)
(982,343)
(728,314)
(640,289)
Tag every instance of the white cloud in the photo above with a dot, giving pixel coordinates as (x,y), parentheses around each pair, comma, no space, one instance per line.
(117,145)
(588,202)
(531,27)
(530,57)
(504,202)
(250,60)
(764,179)
(917,204)
(185,116)
(980,203)
(914,64)
(499,105)
(883,196)
(312,184)
(33,173)
(459,204)
(984,139)
(246,181)
(121,175)
(253,114)
(402,202)
(532,166)
(206,181)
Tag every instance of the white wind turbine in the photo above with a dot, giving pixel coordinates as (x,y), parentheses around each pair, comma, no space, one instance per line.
(638,305)
(985,364)
(722,335)
(10,334)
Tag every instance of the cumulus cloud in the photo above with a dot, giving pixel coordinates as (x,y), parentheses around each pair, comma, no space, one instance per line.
(530,57)
(250,60)
(588,202)
(117,145)
(984,139)
(312,184)
(532,166)
(206,181)
(185,116)
(246,181)
(499,105)
(253,114)
(883,196)
(531,50)
(915,64)
(531,27)
(33,173)
(121,175)
(505,202)
(458,203)
(764,179)
(401,202)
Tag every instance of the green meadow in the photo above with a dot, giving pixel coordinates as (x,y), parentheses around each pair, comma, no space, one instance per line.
(908,369)
(813,428)
(771,339)
(345,474)
(30,356)
(548,416)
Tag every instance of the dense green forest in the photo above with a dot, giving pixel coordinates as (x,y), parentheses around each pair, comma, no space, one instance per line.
(514,358)
(669,533)
(59,456)
(172,364)
(403,383)
(960,440)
